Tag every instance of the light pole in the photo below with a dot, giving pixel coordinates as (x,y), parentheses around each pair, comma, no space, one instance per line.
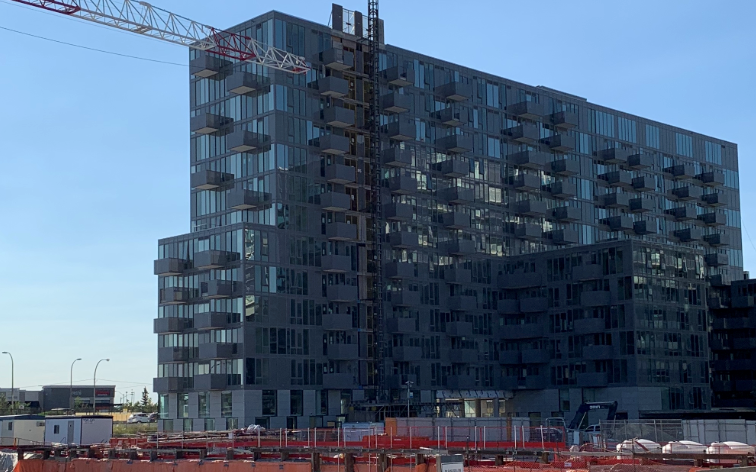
(409,384)
(94,386)
(12,378)
(70,391)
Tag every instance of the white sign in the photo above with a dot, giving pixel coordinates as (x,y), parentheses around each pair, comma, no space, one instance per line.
(453,467)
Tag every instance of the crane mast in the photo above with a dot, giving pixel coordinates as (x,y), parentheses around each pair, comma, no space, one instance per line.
(142,18)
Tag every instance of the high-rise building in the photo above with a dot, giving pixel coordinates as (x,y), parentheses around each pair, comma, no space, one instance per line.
(536,250)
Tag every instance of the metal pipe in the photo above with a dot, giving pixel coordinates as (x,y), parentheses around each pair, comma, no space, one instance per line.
(70,391)
(94,386)
(13,375)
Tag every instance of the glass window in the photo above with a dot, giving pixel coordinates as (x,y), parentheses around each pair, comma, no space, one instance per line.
(226,404)
(188,424)
(652,136)
(183,405)
(296,402)
(713,153)
(601,122)
(209,424)
(232,423)
(204,404)
(269,402)
(627,129)
(163,405)
(684,145)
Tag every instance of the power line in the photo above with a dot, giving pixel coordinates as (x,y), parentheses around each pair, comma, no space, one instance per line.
(94,49)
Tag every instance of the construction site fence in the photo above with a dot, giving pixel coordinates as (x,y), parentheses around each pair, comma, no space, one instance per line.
(474,437)
(663,431)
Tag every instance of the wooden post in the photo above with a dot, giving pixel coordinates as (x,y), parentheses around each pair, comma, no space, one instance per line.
(499,460)
(348,462)
(179,454)
(133,455)
(112,454)
(229,453)
(315,459)
(284,455)
(382,462)
(545,457)
(153,455)
(419,459)
(203,453)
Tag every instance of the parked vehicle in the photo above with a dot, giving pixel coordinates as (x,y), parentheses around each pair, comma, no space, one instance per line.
(138,418)
(153,417)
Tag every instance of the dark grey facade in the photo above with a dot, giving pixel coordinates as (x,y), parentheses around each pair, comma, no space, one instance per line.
(60,396)
(265,311)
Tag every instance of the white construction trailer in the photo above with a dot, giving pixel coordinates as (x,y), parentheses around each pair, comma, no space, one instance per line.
(19,430)
(79,430)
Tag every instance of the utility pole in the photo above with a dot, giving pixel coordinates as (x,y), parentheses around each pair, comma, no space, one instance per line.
(12,401)
(409,385)
(70,391)
(94,386)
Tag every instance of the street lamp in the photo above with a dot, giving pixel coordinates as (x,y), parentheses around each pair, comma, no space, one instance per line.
(12,378)
(94,386)
(70,391)
(409,384)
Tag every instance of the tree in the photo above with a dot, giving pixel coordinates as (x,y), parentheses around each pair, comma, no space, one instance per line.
(146,400)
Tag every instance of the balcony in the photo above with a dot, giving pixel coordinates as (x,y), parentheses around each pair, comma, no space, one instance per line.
(396,157)
(453,168)
(566,214)
(459,328)
(336,322)
(528,231)
(207,123)
(598,353)
(613,156)
(589,326)
(743,301)
(639,161)
(170,384)
(565,167)
(519,280)
(713,199)
(400,381)
(523,133)
(455,220)
(402,185)
(241,83)
(527,110)
(618,178)
(716,303)
(528,159)
(587,272)
(217,350)
(713,219)
(334,201)
(338,117)
(644,183)
(338,59)
(711,179)
(593,298)
(619,223)
(341,293)
(560,142)
(508,307)
(211,382)
(641,205)
(174,296)
(462,303)
(403,240)
(592,379)
(533,305)
(407,353)
(527,183)
(644,227)
(335,264)
(683,213)
(535,356)
(212,259)
(210,180)
(246,141)
(718,239)
(452,116)
(716,260)
(400,76)
(333,144)
(509,358)
(457,195)
(459,247)
(463,356)
(562,236)
(170,325)
(532,208)
(454,143)
(616,200)
(564,119)
(563,189)
(457,276)
(396,103)
(205,66)
(333,87)
(398,211)
(401,325)
(719,280)
(399,270)
(454,91)
(534,382)
(687,235)
(405,298)
(401,130)
(211,320)
(173,354)
(688,192)
(169,266)
(341,381)
(340,174)
(219,289)
(340,231)
(522,331)
(241,199)
(681,171)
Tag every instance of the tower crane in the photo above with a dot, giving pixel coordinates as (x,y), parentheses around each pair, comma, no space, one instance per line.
(142,18)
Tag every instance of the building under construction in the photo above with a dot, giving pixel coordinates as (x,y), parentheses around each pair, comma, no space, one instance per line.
(392,234)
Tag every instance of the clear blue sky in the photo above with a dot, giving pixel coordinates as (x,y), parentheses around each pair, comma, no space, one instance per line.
(95,147)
